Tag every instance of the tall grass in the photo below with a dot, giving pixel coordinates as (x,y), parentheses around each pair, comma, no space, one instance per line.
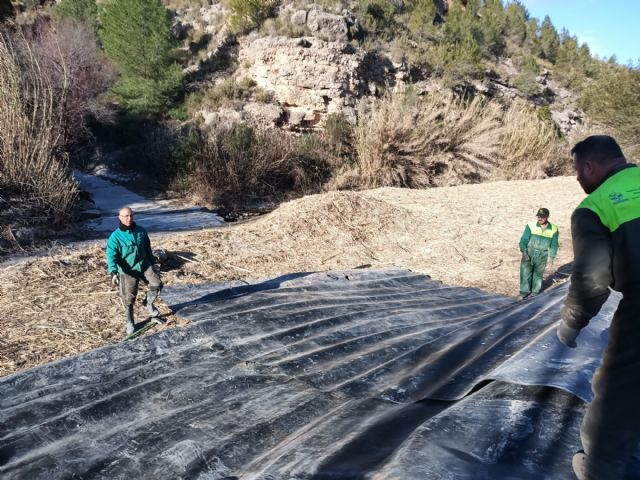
(245,165)
(531,147)
(408,141)
(30,132)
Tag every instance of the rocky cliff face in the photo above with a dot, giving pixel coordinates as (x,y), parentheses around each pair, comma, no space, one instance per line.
(309,77)
(323,70)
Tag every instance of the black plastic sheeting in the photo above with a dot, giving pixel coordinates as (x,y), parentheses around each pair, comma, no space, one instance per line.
(359,374)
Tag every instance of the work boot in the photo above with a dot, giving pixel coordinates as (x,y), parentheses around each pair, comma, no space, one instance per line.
(586,468)
(522,296)
(151,297)
(131,326)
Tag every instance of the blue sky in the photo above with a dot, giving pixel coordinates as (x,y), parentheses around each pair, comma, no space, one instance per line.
(608,27)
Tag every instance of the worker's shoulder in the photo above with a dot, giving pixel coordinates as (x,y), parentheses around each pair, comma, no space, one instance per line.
(585,217)
(113,235)
(140,229)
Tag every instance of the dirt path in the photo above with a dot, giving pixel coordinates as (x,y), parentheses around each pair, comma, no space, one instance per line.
(107,198)
(63,304)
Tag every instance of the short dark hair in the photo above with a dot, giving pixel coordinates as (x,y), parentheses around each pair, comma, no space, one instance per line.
(601,149)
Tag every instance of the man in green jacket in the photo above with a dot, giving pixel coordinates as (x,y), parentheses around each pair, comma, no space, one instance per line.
(606,241)
(129,260)
(539,241)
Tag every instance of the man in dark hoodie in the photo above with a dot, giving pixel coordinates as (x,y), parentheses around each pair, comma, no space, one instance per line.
(129,260)
(606,241)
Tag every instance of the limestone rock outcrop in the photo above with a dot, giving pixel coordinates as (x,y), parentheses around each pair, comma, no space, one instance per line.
(308,76)
(324,25)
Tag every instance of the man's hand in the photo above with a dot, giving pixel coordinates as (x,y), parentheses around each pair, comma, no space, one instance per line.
(553,260)
(567,334)
(115,279)
(526,257)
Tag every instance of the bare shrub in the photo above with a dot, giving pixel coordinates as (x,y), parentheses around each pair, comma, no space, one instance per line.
(30,132)
(79,74)
(531,147)
(244,165)
(407,141)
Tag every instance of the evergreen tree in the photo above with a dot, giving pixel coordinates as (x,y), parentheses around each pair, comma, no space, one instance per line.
(492,25)
(613,100)
(549,40)
(532,41)
(136,36)
(378,18)
(6,9)
(574,63)
(517,17)
(423,13)
(249,14)
(525,81)
(82,11)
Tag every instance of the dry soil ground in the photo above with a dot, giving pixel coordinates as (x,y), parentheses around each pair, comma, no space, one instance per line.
(60,305)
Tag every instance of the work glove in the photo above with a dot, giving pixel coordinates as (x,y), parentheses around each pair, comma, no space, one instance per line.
(567,334)
(552,260)
(115,279)
(526,257)
(156,269)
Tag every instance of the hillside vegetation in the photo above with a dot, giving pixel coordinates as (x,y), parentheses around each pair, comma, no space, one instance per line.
(238,103)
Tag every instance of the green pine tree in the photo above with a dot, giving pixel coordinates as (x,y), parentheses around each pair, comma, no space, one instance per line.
(532,40)
(249,14)
(517,17)
(493,25)
(6,9)
(613,100)
(136,36)
(83,11)
(549,40)
(421,18)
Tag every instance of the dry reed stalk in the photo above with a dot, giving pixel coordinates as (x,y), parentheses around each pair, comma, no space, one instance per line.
(530,146)
(30,130)
(412,142)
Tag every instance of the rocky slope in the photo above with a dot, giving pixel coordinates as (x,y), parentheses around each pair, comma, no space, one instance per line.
(309,62)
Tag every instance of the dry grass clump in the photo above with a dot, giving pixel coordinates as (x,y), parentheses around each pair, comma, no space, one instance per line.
(408,141)
(30,132)
(530,146)
(250,164)
(57,306)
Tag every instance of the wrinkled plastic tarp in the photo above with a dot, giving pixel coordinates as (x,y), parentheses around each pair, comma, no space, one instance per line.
(359,374)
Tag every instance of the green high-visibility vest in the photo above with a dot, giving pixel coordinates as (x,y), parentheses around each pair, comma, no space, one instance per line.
(617,200)
(546,233)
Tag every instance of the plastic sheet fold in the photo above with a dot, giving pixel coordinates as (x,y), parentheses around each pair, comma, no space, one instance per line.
(372,374)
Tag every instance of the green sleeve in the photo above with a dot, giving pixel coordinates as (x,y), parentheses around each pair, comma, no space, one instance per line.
(112,254)
(524,240)
(553,249)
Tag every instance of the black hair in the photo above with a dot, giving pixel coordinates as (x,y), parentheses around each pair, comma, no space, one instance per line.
(601,149)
